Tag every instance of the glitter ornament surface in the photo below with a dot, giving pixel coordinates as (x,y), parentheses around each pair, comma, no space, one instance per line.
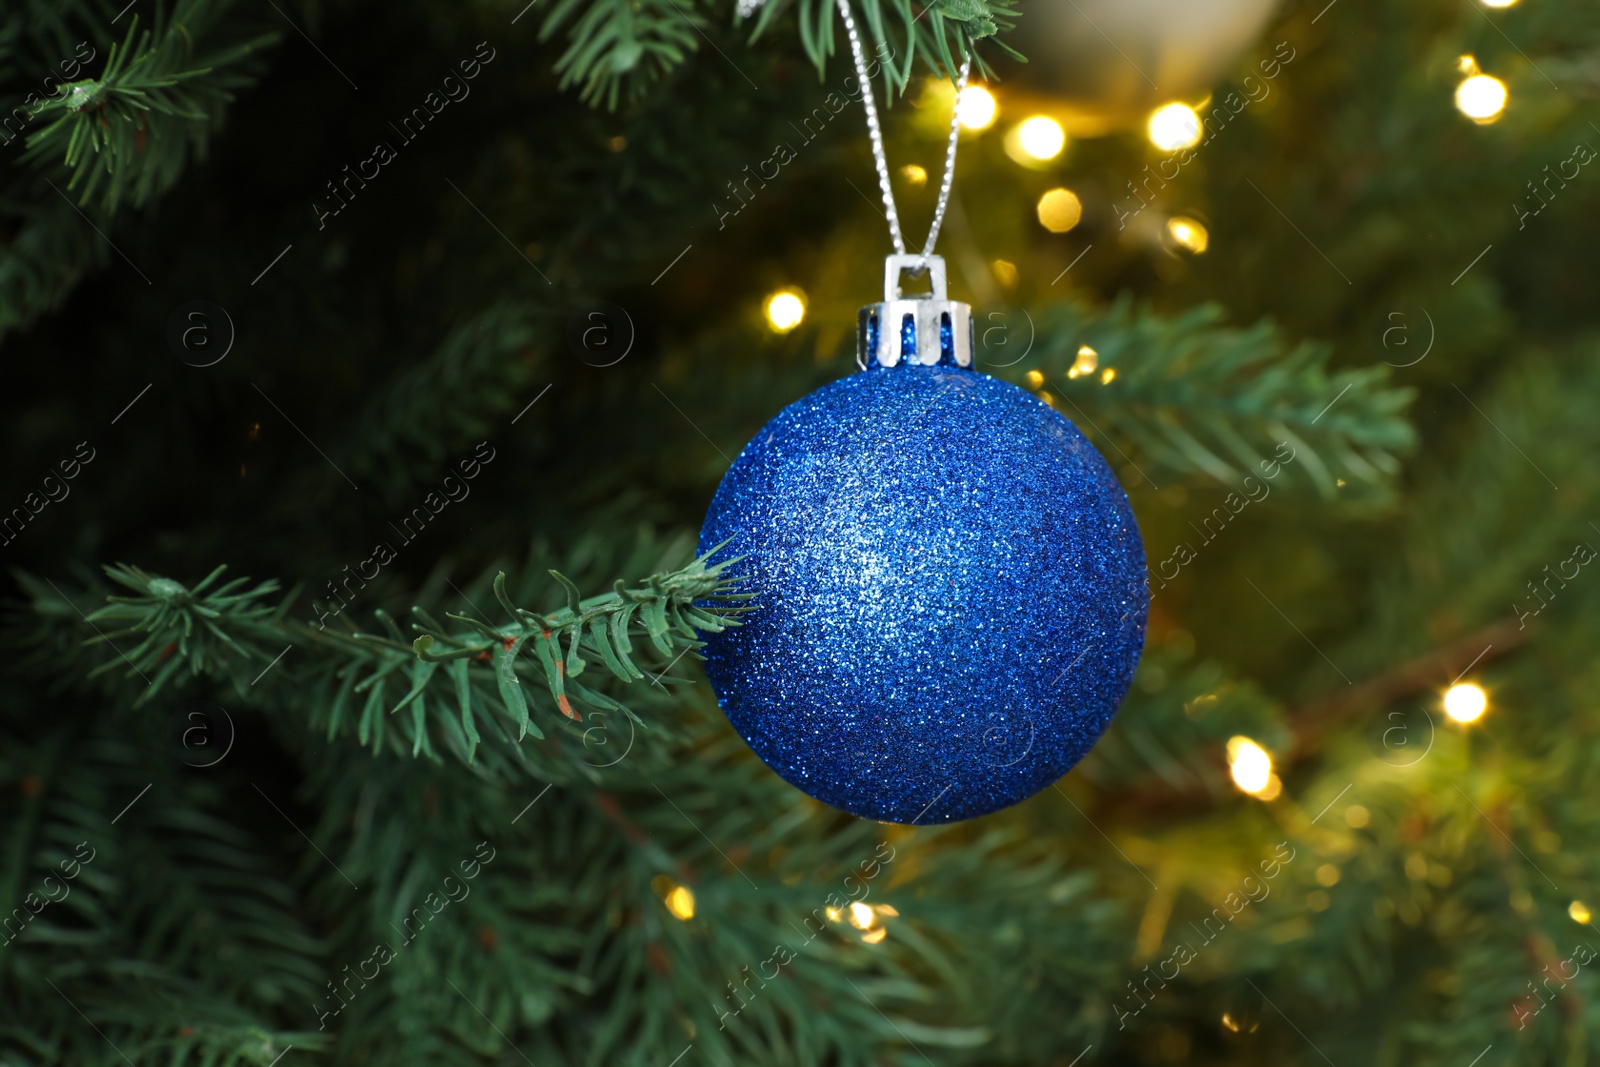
(950,594)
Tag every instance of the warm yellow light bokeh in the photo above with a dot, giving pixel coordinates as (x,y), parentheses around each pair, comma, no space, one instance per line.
(1041,137)
(917,176)
(1465,702)
(1249,765)
(1174,126)
(1188,233)
(1088,362)
(861,916)
(786,309)
(1059,210)
(1481,98)
(1239,1024)
(681,903)
(976,108)
(1579,912)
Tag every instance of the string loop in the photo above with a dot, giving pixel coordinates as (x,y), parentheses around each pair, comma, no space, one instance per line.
(875,132)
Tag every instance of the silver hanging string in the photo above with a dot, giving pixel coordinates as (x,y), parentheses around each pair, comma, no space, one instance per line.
(949,160)
(875,131)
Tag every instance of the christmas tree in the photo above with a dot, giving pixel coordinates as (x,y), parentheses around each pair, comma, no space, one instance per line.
(369,370)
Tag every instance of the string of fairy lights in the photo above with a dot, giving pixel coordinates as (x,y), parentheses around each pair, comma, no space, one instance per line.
(1250,765)
(1037,140)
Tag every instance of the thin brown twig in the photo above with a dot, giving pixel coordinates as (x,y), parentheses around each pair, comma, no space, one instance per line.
(1312,723)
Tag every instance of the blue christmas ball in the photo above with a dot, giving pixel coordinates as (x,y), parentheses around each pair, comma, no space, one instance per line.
(950,594)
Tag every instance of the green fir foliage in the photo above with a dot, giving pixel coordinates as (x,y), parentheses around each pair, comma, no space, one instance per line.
(416,798)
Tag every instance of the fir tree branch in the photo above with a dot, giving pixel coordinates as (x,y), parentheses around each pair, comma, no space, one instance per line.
(618,48)
(168,927)
(237,631)
(444,401)
(1186,394)
(128,134)
(941,32)
(43,257)
(125,135)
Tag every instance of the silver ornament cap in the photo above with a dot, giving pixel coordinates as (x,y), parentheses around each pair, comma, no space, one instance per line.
(927,329)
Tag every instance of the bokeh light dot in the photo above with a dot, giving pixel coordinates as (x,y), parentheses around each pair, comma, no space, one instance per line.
(786,309)
(1465,702)
(1059,210)
(1481,98)
(1174,126)
(1041,137)
(976,108)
